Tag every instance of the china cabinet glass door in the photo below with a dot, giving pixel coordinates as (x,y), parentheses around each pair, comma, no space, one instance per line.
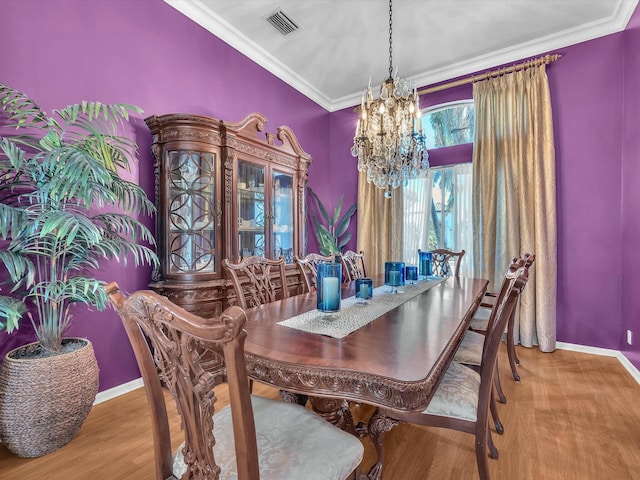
(192,226)
(282,212)
(253,219)
(250,203)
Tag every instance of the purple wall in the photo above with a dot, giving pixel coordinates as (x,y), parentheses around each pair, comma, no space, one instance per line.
(146,53)
(586,90)
(631,191)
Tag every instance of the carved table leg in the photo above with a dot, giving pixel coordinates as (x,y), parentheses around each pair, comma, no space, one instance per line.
(335,411)
(291,397)
(379,425)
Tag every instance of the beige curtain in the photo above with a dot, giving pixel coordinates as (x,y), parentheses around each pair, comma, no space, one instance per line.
(514,194)
(379,225)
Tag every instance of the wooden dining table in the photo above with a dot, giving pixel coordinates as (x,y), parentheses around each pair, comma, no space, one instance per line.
(395,361)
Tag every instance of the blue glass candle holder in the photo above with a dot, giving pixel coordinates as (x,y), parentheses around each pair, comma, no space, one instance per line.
(329,278)
(394,275)
(411,274)
(425,261)
(364,290)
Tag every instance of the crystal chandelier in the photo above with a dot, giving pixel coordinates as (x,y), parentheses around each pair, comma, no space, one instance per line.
(389,142)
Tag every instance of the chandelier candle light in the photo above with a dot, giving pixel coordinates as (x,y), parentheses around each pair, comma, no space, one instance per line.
(389,141)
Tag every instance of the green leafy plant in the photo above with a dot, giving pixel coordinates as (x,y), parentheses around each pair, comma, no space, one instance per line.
(332,236)
(63,209)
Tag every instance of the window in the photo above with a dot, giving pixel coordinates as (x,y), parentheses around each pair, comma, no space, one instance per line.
(449,124)
(442,203)
(437,212)
(437,208)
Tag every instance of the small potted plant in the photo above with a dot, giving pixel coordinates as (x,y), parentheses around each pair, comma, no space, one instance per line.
(63,210)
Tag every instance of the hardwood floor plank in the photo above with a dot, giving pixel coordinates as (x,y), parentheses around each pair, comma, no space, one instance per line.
(573,416)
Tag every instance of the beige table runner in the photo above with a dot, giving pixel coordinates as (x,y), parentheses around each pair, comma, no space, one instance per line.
(352,315)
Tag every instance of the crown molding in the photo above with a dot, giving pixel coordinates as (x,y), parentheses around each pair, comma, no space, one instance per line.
(197,11)
(589,31)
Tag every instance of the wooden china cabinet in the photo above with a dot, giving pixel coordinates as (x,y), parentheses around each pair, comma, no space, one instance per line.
(223,190)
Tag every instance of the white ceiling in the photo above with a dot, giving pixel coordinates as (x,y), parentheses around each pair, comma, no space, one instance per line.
(341,44)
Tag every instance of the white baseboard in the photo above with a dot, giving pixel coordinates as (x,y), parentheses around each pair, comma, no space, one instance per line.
(606,352)
(631,368)
(118,390)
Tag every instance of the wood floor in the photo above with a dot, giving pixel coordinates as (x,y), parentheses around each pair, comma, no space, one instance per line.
(573,416)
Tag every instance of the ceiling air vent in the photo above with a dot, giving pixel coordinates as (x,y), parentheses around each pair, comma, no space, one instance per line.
(282,22)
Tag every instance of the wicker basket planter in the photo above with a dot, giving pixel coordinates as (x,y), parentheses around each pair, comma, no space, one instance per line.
(44,401)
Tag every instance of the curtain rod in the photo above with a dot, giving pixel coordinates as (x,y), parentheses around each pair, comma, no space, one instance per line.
(494,73)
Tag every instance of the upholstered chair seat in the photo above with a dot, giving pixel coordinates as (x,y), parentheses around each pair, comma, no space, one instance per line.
(457,394)
(289,437)
(470,350)
(469,353)
(480,321)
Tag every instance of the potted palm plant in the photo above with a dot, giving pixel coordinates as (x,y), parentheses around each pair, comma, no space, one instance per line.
(63,209)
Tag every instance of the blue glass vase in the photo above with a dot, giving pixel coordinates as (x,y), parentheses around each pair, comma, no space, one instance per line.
(425,261)
(394,275)
(411,274)
(364,290)
(329,279)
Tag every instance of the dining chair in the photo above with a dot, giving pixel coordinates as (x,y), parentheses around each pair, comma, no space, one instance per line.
(286,253)
(481,319)
(308,267)
(462,398)
(252,438)
(470,350)
(354,265)
(444,261)
(257,280)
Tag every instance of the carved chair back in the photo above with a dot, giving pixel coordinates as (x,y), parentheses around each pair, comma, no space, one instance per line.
(516,265)
(286,253)
(257,280)
(528,259)
(446,262)
(354,265)
(308,267)
(169,344)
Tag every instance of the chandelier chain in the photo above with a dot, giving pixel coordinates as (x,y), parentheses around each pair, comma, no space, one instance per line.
(390,38)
